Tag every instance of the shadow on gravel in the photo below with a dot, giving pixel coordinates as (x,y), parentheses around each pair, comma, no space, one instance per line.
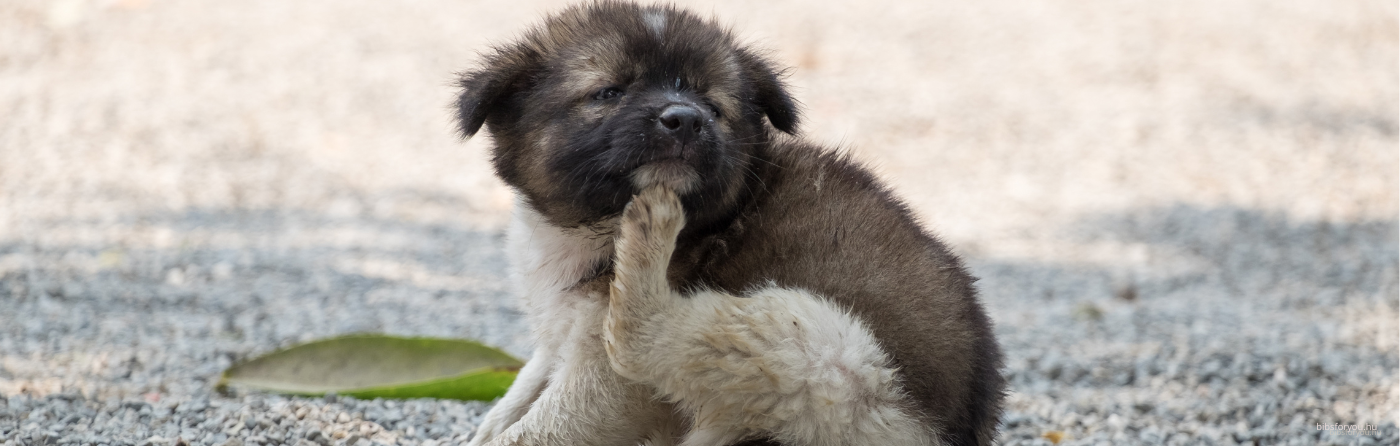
(1220,316)
(234,282)
(1254,255)
(1266,254)
(1248,322)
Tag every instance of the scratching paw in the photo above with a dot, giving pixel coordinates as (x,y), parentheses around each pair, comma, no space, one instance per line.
(654,215)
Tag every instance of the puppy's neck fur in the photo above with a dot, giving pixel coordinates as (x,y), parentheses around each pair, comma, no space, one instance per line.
(554,257)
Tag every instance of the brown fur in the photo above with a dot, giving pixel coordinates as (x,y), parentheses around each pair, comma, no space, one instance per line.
(767,209)
(825,225)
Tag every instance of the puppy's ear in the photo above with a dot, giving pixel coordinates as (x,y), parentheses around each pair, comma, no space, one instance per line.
(770,93)
(484,91)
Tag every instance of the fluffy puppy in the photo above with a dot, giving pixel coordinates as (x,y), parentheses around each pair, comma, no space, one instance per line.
(758,289)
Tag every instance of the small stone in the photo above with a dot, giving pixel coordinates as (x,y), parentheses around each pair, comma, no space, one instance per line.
(1126,291)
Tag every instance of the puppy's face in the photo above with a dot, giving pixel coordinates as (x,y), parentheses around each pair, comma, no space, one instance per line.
(607,98)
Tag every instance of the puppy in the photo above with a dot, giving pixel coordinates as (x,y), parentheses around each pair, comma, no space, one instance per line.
(693,273)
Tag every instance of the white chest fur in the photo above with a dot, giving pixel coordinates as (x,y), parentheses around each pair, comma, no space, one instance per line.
(546,264)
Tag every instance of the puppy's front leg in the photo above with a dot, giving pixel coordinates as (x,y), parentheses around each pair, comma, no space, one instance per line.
(528,386)
(639,291)
(585,401)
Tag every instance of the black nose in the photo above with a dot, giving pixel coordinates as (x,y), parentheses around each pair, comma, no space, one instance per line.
(681,121)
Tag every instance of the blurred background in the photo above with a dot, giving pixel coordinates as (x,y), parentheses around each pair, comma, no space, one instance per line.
(1183,214)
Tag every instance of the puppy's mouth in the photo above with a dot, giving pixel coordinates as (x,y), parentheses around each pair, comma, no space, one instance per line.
(672,172)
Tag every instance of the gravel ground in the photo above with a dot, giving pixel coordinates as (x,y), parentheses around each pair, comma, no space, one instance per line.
(1184,214)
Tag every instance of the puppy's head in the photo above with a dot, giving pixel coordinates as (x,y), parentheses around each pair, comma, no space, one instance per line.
(606,98)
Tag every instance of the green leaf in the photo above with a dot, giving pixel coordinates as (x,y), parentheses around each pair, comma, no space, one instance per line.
(380,366)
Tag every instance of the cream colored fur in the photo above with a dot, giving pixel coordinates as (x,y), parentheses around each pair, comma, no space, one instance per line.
(776,362)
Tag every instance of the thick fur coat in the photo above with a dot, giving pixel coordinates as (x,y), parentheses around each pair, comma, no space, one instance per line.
(694,276)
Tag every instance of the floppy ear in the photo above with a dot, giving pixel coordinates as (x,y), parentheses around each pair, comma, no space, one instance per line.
(485,90)
(770,93)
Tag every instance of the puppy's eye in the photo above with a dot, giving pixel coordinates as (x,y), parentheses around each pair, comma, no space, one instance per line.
(607,93)
(714,110)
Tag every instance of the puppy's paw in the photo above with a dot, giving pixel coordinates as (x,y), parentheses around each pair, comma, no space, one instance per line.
(654,217)
(645,241)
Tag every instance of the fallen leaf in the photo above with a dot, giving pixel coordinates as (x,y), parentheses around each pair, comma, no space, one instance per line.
(380,366)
